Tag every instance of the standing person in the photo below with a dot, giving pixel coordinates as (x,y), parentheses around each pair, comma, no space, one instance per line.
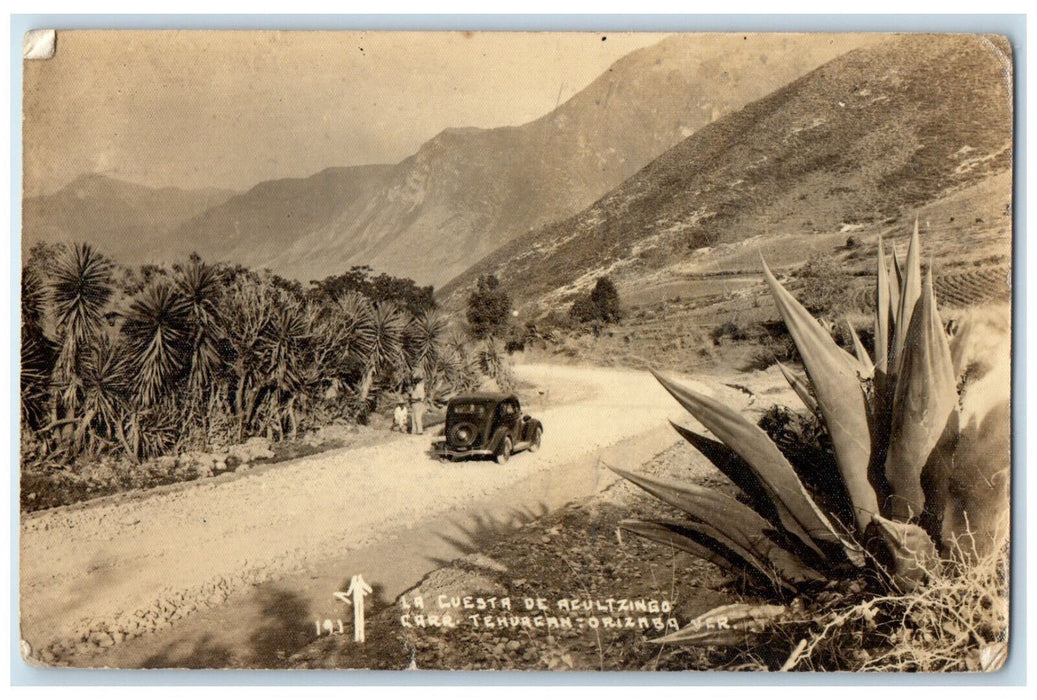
(416,395)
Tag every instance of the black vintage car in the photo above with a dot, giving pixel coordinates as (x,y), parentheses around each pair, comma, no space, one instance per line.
(487,425)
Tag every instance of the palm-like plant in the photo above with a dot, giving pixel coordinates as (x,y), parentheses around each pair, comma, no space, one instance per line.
(893,425)
(157,329)
(424,341)
(386,352)
(282,347)
(80,289)
(200,285)
(38,352)
(106,393)
(355,331)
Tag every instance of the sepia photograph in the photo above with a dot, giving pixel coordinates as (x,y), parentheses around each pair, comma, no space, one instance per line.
(516,351)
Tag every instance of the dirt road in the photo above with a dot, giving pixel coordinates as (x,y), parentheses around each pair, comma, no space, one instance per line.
(98,576)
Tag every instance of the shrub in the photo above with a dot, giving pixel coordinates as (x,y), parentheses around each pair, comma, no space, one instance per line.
(583,309)
(605,298)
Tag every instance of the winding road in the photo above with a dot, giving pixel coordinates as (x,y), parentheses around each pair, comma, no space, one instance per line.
(186,576)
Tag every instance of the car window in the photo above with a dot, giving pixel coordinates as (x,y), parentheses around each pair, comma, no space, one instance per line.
(474,410)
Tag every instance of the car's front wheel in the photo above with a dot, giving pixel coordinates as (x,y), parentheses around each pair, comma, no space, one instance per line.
(504,451)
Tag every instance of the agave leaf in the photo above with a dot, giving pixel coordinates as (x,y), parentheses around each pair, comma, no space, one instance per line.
(834,379)
(910,293)
(782,568)
(800,386)
(731,523)
(882,311)
(734,468)
(907,552)
(797,511)
(726,625)
(862,354)
(924,404)
(679,535)
(897,273)
(979,487)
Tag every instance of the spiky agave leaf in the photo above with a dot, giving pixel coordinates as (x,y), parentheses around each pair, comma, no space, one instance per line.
(976,516)
(910,293)
(882,316)
(726,625)
(281,345)
(862,354)
(800,386)
(924,407)
(38,352)
(734,468)
(677,534)
(734,525)
(834,378)
(797,511)
(105,384)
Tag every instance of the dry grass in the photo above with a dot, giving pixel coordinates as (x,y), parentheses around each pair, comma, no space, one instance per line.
(957,622)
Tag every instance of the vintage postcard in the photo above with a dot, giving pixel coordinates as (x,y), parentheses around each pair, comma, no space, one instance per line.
(516,351)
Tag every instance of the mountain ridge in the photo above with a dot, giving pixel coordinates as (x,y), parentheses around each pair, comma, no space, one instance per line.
(854,143)
(467,190)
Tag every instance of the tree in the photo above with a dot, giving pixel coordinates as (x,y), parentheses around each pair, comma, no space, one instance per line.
(602,304)
(606,300)
(583,309)
(488,307)
(80,288)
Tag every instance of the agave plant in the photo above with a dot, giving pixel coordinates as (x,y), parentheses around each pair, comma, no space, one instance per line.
(902,459)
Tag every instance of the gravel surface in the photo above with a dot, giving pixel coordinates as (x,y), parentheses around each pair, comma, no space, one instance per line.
(93,576)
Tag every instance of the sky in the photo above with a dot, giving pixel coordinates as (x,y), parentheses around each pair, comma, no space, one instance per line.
(230,109)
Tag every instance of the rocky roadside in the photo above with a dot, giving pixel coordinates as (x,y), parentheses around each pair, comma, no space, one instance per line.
(563,562)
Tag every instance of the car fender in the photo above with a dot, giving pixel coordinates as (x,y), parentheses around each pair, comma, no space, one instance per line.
(530,427)
(498,438)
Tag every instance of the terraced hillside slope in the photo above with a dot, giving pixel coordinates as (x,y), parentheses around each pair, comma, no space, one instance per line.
(855,148)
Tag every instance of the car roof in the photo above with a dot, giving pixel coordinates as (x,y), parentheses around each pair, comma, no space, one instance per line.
(482,397)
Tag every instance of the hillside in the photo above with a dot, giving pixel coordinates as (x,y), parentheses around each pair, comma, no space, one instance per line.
(467,191)
(131,222)
(256,227)
(855,147)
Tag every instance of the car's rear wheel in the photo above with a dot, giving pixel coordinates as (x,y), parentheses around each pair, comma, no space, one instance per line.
(538,435)
(504,451)
(463,434)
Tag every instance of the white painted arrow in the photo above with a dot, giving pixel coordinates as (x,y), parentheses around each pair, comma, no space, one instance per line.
(359,589)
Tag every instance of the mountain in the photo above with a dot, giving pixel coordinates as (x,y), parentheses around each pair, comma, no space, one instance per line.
(128,221)
(256,227)
(467,191)
(858,144)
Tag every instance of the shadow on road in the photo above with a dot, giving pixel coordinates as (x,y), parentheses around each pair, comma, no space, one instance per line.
(481,530)
(282,626)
